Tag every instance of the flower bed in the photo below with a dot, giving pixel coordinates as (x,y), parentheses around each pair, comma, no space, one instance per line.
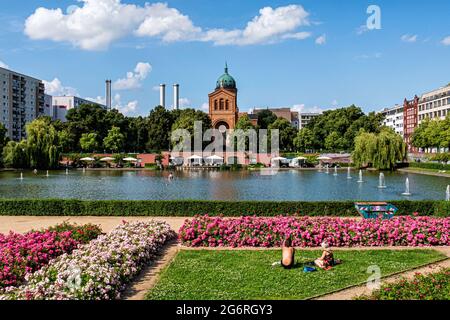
(434,286)
(311,232)
(100,269)
(25,253)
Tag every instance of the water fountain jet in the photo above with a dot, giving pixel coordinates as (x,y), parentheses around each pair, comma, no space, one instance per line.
(447,194)
(407,191)
(360,177)
(382,183)
(349,175)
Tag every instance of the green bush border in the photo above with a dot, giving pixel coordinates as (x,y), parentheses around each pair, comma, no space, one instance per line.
(188,208)
(429,165)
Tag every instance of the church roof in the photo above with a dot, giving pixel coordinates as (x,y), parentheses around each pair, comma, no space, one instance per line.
(226,81)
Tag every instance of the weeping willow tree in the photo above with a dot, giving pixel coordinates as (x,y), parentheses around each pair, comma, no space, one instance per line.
(42,144)
(381,151)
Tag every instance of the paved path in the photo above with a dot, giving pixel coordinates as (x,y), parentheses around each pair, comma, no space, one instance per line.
(150,275)
(23,224)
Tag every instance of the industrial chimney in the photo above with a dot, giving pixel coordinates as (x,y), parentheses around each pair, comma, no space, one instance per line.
(108,95)
(162,95)
(176,96)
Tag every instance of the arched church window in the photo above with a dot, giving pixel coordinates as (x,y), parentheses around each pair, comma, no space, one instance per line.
(227,105)
(215,104)
(221,104)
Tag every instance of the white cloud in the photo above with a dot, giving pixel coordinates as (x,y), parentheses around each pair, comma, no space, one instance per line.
(377,55)
(91,27)
(321,40)
(298,35)
(409,38)
(128,108)
(362,29)
(97,23)
(446,41)
(3,65)
(269,26)
(205,107)
(133,79)
(185,103)
(56,88)
(168,24)
(302,108)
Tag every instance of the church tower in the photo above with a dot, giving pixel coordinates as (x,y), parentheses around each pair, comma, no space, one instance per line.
(223,109)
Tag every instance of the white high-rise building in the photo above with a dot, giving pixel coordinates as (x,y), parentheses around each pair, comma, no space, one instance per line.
(435,104)
(61,105)
(393,118)
(21,101)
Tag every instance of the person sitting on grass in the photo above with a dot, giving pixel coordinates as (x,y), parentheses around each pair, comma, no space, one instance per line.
(326,261)
(288,254)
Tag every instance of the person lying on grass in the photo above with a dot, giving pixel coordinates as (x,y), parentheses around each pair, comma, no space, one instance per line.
(326,261)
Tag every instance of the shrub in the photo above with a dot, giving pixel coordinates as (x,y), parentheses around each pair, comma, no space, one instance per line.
(190,208)
(311,232)
(429,165)
(83,233)
(434,286)
(152,166)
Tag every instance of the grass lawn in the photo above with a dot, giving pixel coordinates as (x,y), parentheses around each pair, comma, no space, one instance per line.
(240,275)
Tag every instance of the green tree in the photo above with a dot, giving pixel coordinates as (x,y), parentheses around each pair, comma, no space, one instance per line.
(304,140)
(244,123)
(15,155)
(186,120)
(114,140)
(159,125)
(287,133)
(266,118)
(346,122)
(88,142)
(42,144)
(66,140)
(381,151)
(334,142)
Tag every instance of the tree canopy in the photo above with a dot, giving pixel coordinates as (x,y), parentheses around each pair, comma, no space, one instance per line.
(344,124)
(381,151)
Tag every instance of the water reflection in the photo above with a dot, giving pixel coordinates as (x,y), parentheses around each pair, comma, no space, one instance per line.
(217,185)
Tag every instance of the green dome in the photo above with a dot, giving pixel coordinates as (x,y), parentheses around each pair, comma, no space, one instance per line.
(226,81)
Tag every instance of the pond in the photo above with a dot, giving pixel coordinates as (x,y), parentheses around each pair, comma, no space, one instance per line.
(219,185)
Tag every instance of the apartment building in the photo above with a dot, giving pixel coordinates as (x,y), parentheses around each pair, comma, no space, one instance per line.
(22,99)
(305,118)
(434,104)
(298,120)
(62,104)
(393,118)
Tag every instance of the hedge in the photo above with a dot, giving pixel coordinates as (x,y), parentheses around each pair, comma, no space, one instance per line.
(187,208)
(429,165)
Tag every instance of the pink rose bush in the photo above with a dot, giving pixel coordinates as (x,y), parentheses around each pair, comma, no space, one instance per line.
(22,254)
(207,231)
(98,270)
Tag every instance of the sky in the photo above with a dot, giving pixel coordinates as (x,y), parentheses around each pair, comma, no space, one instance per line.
(309,55)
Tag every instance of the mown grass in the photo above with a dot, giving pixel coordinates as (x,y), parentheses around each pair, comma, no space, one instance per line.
(242,275)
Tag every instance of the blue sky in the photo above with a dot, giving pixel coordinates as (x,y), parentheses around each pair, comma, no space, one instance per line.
(307,54)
